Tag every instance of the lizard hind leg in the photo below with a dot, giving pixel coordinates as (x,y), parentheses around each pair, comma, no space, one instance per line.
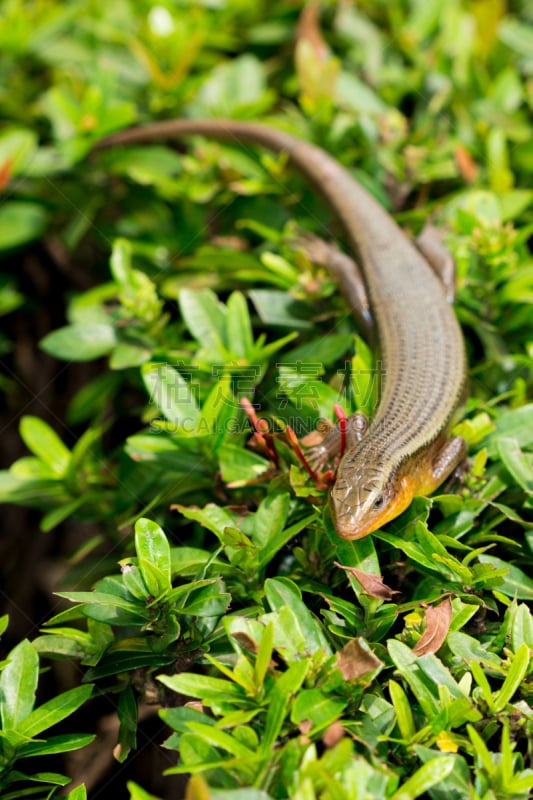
(346,272)
(429,242)
(448,459)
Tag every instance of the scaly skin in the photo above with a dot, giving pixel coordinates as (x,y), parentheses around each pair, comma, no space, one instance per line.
(406,451)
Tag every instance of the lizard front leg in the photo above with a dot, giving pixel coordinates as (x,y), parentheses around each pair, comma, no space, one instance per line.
(319,455)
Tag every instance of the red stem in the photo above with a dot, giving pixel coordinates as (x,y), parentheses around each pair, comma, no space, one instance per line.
(341,416)
(295,444)
(262,433)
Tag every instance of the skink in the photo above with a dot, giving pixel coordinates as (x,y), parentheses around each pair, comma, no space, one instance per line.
(407,450)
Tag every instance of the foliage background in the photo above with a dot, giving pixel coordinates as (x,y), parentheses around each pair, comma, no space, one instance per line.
(429,104)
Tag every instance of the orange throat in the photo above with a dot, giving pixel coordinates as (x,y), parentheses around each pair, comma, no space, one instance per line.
(374,521)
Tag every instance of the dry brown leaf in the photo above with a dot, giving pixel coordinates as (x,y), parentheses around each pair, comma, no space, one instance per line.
(196,705)
(466,164)
(333,735)
(308,30)
(372,584)
(316,68)
(437,619)
(234,242)
(245,641)
(305,726)
(357,659)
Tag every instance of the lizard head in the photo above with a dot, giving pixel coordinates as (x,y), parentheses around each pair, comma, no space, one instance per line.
(366,495)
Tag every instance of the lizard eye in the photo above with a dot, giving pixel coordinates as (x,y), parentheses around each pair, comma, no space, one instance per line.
(379,502)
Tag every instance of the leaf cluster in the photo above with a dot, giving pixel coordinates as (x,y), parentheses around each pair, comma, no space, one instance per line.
(285,662)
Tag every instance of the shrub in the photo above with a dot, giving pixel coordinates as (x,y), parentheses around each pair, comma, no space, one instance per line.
(283,661)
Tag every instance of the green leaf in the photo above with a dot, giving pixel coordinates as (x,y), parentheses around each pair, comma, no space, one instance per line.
(137,793)
(101,598)
(281,310)
(402,708)
(110,608)
(133,579)
(483,683)
(513,681)
(407,664)
(55,710)
(202,686)
(325,351)
(181,593)
(517,462)
(239,327)
(218,738)
(205,318)
(281,538)
(198,756)
(152,546)
(316,707)
(80,342)
(188,560)
(63,646)
(233,87)
(270,518)
(92,397)
(282,592)
(178,718)
(457,784)
(441,676)
(516,424)
(20,223)
(435,552)
(18,684)
(481,751)
(428,775)
(289,638)
(10,298)
(219,411)
(173,395)
(514,203)
(209,601)
(64,743)
(38,777)
(352,93)
(237,464)
(44,442)
(522,627)
(148,165)
(57,515)
(116,662)
(264,655)
(516,582)
(79,793)
(17,147)
(287,685)
(235,794)
(471,649)
(211,516)
(360,554)
(127,714)
(129,355)
(120,261)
